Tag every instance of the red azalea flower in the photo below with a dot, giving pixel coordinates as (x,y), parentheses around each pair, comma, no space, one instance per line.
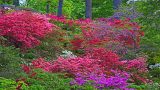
(26,69)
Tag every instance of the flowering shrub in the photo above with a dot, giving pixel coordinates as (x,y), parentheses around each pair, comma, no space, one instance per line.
(121,36)
(101,82)
(138,64)
(64,20)
(70,65)
(24,29)
(1,12)
(97,61)
(41,63)
(138,69)
(107,59)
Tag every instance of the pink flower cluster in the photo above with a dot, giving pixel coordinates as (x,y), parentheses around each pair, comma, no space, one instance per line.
(24,29)
(83,23)
(70,65)
(139,64)
(97,61)
(41,63)
(100,33)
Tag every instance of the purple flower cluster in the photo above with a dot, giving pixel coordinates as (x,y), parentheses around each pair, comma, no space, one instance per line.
(101,82)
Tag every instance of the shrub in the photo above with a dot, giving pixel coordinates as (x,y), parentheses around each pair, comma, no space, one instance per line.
(97,61)
(7,84)
(50,47)
(37,79)
(102,82)
(81,65)
(138,70)
(121,36)
(24,29)
(9,61)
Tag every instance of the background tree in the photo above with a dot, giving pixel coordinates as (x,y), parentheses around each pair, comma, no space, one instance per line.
(60,6)
(3,1)
(48,6)
(116,4)
(88,13)
(16,2)
(102,8)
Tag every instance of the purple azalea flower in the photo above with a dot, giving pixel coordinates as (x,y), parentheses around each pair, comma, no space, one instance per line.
(101,82)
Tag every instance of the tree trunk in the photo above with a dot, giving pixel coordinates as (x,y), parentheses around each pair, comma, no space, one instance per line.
(116,4)
(16,2)
(88,13)
(60,5)
(47,6)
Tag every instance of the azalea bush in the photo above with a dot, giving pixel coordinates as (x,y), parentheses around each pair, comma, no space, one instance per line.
(121,36)
(98,62)
(93,72)
(24,29)
(101,82)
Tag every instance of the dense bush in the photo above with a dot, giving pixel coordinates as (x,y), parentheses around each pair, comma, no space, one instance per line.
(24,29)
(50,47)
(98,61)
(39,80)
(121,36)
(7,84)
(9,61)
(119,81)
(102,8)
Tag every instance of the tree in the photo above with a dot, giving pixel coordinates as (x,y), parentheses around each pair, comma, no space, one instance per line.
(4,1)
(88,13)
(60,5)
(116,4)
(47,6)
(16,2)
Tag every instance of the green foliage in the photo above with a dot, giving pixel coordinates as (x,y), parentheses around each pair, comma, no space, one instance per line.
(40,5)
(74,8)
(7,84)
(150,25)
(150,43)
(9,61)
(102,8)
(1,2)
(155,74)
(50,47)
(7,1)
(51,81)
(137,87)
(78,9)
(153,86)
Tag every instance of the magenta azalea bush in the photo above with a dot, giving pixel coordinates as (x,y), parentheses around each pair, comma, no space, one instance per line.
(97,61)
(119,81)
(25,29)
